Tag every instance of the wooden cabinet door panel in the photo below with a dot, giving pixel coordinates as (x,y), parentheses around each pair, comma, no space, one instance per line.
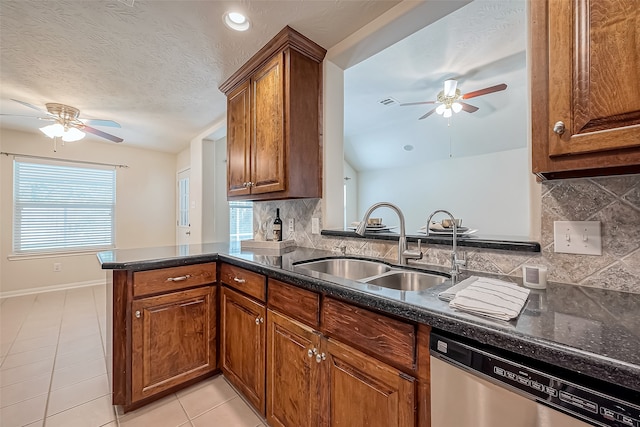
(239,140)
(173,339)
(593,75)
(268,149)
(364,392)
(243,345)
(292,373)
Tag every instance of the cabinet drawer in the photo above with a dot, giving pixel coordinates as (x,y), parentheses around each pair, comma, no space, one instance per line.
(299,304)
(387,338)
(245,281)
(173,278)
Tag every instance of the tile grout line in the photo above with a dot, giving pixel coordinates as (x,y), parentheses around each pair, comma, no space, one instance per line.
(55,356)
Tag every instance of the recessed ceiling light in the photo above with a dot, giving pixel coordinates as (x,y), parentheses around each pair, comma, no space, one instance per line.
(408,147)
(236,21)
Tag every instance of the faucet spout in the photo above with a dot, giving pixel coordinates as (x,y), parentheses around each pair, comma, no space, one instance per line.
(455,261)
(403,254)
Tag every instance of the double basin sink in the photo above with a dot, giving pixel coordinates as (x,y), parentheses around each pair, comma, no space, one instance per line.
(373,273)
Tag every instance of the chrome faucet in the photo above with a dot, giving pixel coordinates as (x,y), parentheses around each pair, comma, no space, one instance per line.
(455,262)
(403,253)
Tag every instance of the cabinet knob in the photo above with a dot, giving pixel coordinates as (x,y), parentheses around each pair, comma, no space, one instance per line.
(310,352)
(259,320)
(559,128)
(138,314)
(320,357)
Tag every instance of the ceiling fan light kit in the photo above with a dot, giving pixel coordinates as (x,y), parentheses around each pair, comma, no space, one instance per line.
(450,99)
(67,124)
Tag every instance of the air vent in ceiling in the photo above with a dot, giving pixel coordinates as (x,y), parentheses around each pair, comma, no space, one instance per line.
(389,101)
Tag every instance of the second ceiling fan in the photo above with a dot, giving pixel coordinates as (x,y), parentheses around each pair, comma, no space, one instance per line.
(450,99)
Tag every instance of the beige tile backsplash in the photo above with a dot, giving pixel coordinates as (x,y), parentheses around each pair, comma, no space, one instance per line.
(614,201)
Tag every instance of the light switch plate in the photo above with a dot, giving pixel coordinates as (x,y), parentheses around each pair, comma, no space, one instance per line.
(292,225)
(577,237)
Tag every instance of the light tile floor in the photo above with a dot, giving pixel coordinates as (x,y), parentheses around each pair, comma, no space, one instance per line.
(53,371)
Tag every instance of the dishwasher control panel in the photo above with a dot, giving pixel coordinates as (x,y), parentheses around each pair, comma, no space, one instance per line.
(579,400)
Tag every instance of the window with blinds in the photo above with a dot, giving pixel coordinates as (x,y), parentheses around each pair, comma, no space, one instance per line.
(62,207)
(240,221)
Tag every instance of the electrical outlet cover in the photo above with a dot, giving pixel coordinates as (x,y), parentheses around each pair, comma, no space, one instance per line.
(577,237)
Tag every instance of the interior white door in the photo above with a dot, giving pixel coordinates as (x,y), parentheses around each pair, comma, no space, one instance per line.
(183,227)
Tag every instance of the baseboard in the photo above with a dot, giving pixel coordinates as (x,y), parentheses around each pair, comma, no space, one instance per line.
(51,288)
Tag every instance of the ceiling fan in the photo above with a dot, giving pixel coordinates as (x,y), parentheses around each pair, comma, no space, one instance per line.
(450,99)
(67,124)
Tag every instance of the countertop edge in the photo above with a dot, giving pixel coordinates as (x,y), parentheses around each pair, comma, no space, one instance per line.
(586,363)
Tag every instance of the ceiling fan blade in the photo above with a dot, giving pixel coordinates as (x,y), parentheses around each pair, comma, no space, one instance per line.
(427,115)
(30,117)
(99,122)
(468,107)
(101,134)
(26,104)
(417,103)
(486,90)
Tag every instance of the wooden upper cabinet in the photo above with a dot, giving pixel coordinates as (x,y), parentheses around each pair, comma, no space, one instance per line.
(239,140)
(267,149)
(273,111)
(585,87)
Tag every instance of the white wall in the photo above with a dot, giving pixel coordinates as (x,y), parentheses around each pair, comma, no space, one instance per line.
(145,208)
(459,186)
(351,212)
(215,208)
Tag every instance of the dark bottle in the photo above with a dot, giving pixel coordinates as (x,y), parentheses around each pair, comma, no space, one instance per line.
(277,227)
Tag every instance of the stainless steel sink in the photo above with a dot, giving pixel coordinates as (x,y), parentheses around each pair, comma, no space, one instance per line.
(348,268)
(407,280)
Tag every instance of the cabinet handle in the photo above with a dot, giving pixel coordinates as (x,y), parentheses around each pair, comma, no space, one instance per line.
(245,184)
(238,280)
(179,278)
(259,320)
(559,128)
(250,184)
(138,314)
(310,352)
(320,357)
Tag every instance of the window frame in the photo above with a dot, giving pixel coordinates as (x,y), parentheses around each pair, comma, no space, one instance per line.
(18,251)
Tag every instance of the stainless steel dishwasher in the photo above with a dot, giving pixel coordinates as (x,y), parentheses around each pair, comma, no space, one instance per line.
(473,386)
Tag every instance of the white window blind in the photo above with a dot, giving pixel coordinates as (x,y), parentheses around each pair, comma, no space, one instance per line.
(62,207)
(240,221)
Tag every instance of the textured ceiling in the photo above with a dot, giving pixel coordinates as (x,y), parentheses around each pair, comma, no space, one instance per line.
(154,67)
(481,44)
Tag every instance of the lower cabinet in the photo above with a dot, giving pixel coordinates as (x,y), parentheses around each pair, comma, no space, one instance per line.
(173,340)
(364,392)
(315,381)
(243,345)
(293,374)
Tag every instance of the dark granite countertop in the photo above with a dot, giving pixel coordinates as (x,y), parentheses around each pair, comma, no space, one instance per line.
(590,331)
(508,243)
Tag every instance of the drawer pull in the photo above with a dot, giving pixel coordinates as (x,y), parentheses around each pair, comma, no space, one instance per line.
(238,280)
(179,278)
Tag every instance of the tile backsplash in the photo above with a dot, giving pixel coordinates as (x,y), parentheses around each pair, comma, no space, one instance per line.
(614,201)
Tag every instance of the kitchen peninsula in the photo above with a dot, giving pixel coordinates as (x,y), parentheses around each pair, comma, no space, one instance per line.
(590,332)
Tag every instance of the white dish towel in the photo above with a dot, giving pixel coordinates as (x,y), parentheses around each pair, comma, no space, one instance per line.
(491,297)
(450,293)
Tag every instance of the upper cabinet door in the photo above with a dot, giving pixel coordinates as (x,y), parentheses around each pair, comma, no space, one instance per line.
(585,87)
(267,151)
(596,91)
(239,140)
